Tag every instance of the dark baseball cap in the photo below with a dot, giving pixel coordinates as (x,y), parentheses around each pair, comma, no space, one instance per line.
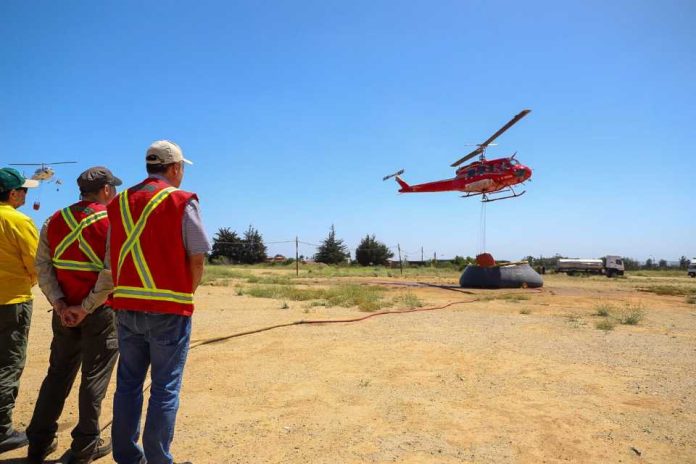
(11,179)
(95,178)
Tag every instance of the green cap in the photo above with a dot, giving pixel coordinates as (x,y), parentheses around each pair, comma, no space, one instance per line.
(11,179)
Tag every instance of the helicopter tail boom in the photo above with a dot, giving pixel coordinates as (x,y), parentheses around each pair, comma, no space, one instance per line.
(404,186)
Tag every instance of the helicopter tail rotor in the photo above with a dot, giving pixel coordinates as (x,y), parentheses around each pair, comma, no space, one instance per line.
(397,173)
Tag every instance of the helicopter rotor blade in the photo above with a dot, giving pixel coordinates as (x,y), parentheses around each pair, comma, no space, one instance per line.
(485,144)
(510,123)
(476,152)
(42,164)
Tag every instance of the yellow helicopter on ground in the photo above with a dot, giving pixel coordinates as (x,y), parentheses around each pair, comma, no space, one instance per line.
(44,173)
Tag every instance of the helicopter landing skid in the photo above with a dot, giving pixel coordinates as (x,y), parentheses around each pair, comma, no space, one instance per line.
(486,199)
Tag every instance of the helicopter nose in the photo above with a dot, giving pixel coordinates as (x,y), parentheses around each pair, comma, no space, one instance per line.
(523,172)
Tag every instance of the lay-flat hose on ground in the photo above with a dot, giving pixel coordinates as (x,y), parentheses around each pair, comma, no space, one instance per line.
(208,341)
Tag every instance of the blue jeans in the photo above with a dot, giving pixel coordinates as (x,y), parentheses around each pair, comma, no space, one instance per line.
(159,341)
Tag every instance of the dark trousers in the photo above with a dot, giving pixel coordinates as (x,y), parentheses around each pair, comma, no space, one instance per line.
(94,344)
(15,320)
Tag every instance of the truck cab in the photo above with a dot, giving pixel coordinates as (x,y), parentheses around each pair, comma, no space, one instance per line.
(613,266)
(692,268)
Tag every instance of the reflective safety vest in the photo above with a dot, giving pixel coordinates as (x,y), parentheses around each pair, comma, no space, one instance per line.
(149,263)
(77,241)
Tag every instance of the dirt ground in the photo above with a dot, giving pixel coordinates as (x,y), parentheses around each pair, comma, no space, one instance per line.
(494,378)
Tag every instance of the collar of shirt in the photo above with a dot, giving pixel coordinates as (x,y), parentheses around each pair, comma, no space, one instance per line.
(160,177)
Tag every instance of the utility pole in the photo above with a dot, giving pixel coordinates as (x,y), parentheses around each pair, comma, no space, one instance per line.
(434,258)
(422,261)
(401,266)
(297,257)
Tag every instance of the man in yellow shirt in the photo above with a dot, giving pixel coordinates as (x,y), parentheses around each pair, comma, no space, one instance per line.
(18,241)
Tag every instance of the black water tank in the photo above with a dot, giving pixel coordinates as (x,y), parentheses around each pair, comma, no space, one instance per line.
(510,276)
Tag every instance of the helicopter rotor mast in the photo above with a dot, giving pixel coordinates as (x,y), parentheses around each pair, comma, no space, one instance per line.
(481,148)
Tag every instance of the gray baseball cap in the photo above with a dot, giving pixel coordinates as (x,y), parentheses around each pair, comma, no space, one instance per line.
(95,178)
(165,152)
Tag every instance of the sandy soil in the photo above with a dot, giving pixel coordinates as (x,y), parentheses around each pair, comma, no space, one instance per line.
(479,381)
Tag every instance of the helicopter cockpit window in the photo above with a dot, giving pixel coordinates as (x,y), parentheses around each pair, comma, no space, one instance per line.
(470,172)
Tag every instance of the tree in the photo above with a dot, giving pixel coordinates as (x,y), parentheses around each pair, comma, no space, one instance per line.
(662,263)
(253,249)
(226,245)
(649,263)
(545,262)
(683,262)
(332,250)
(630,264)
(462,262)
(372,252)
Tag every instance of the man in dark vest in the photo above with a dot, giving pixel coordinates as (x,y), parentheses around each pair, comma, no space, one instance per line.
(72,275)
(157,250)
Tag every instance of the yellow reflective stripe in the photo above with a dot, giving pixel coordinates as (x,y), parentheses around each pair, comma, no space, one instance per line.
(69,218)
(72,225)
(87,249)
(76,265)
(137,253)
(138,257)
(76,234)
(133,236)
(125,211)
(153,294)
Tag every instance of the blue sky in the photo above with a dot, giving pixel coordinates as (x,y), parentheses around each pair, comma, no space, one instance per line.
(293,112)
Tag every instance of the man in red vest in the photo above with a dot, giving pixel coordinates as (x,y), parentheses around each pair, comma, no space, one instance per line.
(157,250)
(72,275)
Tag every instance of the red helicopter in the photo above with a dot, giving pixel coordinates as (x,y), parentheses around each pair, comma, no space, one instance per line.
(483,177)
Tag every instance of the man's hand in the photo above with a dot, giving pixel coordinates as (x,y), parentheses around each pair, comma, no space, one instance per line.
(58,306)
(72,316)
(196,266)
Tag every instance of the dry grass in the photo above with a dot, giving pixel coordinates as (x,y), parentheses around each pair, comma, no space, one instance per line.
(670,290)
(367,298)
(603,310)
(605,324)
(409,300)
(632,315)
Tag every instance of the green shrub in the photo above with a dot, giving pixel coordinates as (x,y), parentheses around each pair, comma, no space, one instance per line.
(409,300)
(632,315)
(605,324)
(602,310)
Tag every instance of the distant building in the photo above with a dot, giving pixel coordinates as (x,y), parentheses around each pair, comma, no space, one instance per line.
(276,259)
